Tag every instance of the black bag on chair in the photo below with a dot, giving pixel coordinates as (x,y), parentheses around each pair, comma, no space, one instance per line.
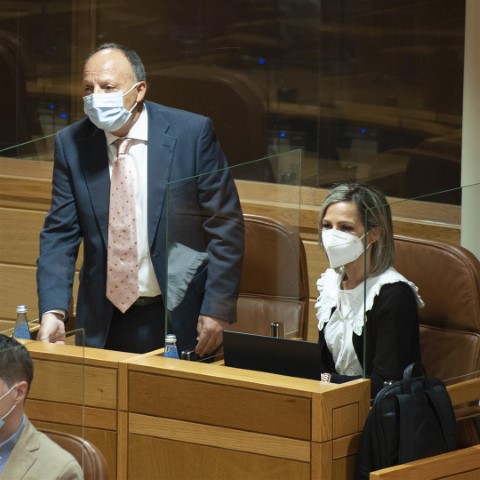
(410,419)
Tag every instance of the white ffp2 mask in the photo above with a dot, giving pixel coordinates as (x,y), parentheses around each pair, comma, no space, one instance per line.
(341,247)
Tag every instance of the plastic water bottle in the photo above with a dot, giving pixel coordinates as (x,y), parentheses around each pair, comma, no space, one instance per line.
(171,346)
(21,329)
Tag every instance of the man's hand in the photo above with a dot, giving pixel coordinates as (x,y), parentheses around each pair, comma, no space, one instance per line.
(52,328)
(210,334)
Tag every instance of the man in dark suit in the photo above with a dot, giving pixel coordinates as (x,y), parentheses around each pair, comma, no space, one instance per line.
(189,220)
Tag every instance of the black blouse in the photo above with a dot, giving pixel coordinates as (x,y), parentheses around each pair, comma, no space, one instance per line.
(392,338)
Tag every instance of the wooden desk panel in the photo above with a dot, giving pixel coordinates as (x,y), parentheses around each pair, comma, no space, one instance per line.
(458,465)
(202,402)
(231,439)
(206,462)
(75,375)
(18,285)
(216,422)
(20,239)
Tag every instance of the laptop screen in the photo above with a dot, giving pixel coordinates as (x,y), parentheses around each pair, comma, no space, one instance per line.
(295,358)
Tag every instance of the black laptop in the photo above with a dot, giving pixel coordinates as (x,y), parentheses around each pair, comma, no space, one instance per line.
(295,358)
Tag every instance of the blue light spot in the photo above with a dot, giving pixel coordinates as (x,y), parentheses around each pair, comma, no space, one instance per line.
(283,134)
(261,61)
(363,131)
(51,107)
(63,115)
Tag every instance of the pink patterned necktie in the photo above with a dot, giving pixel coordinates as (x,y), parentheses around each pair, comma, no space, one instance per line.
(122,255)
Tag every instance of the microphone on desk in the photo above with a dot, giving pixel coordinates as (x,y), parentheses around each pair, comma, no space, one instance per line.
(189,355)
(276,330)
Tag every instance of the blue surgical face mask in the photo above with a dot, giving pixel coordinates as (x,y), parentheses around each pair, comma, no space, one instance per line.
(106,110)
(2,419)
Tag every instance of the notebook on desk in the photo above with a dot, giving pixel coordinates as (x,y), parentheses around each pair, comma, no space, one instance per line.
(295,358)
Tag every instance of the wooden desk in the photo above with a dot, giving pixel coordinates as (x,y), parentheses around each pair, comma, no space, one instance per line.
(201,421)
(161,418)
(155,417)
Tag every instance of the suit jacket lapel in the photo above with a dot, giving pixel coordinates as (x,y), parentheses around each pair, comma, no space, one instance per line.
(93,154)
(161,148)
(22,457)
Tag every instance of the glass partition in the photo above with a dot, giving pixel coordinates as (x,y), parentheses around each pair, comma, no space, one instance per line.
(210,246)
(33,326)
(439,284)
(9,332)
(362,88)
(367,92)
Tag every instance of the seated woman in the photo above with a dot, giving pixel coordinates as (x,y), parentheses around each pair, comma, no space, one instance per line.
(362,280)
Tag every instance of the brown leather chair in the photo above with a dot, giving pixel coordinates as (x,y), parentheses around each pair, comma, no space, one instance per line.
(91,459)
(448,279)
(274,285)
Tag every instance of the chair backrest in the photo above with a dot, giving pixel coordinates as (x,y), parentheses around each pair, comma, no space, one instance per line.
(448,279)
(274,285)
(90,458)
(415,178)
(420,181)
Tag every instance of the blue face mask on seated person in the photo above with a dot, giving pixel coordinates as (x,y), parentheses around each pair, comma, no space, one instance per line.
(2,419)
(106,110)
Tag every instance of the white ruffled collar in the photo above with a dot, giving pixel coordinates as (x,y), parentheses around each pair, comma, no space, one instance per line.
(328,286)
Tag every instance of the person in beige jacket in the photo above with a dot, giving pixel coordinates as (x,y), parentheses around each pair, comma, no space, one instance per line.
(25,453)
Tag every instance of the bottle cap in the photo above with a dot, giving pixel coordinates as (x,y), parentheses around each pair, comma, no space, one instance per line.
(170,338)
(22,309)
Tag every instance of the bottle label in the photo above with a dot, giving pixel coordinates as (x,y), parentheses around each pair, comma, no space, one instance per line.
(171,352)
(21,331)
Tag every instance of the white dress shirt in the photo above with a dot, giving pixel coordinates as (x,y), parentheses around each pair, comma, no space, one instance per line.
(147,280)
